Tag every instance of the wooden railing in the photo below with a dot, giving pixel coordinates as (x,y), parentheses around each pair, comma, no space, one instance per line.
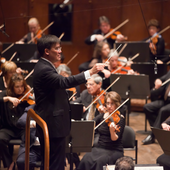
(43,125)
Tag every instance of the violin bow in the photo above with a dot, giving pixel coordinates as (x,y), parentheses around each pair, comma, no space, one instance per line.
(26,94)
(166,28)
(13,56)
(7,48)
(165,82)
(2,26)
(29,74)
(102,93)
(72,96)
(41,32)
(72,58)
(61,36)
(111,32)
(124,46)
(111,113)
(113,53)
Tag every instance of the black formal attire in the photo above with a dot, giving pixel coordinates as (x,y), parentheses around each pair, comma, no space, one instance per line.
(164,160)
(9,128)
(106,151)
(27,38)
(159,109)
(34,154)
(2,86)
(98,31)
(53,106)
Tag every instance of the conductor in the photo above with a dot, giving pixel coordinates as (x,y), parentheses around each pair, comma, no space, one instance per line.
(51,98)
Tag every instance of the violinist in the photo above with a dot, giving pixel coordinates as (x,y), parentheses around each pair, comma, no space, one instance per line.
(119,64)
(157,44)
(8,69)
(34,29)
(86,97)
(10,111)
(104,28)
(109,147)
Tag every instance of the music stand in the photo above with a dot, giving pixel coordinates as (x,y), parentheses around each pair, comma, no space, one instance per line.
(148,69)
(163,138)
(135,47)
(80,138)
(24,51)
(132,86)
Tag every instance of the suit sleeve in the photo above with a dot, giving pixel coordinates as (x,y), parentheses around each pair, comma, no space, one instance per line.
(88,39)
(167,121)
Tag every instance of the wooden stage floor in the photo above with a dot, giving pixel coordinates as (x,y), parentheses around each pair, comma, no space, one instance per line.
(147,154)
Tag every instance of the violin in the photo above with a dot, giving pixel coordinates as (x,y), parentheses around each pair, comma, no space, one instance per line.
(38,36)
(153,43)
(115,118)
(100,101)
(27,96)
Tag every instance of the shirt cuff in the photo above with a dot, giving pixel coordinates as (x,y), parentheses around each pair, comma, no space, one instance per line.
(87,75)
(93,37)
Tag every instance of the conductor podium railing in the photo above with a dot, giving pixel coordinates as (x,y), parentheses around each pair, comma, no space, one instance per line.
(43,125)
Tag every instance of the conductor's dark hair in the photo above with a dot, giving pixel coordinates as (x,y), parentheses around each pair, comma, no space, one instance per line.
(124,163)
(46,41)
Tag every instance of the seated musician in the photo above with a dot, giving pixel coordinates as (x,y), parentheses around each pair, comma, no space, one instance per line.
(11,109)
(119,66)
(104,28)
(34,154)
(164,160)
(8,69)
(65,71)
(86,97)
(100,55)
(109,147)
(34,28)
(157,45)
(159,109)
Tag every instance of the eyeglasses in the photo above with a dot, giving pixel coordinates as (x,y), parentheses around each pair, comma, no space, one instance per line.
(89,84)
(58,48)
(109,104)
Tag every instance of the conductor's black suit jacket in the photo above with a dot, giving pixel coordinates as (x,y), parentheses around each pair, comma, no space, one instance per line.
(51,97)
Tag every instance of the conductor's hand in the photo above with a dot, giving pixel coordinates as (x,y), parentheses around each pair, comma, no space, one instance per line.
(158,83)
(96,68)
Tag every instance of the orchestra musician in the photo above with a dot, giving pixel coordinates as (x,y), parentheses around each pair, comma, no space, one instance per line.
(52,103)
(159,109)
(93,85)
(34,29)
(163,160)
(115,66)
(109,147)
(11,109)
(104,28)
(157,44)
(8,69)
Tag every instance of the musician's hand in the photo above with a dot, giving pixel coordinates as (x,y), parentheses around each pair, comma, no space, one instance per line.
(102,109)
(84,109)
(165,126)
(120,37)
(158,83)
(113,126)
(159,62)
(15,101)
(131,72)
(99,37)
(96,68)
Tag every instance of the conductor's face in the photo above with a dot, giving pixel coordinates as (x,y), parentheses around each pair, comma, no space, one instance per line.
(54,54)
